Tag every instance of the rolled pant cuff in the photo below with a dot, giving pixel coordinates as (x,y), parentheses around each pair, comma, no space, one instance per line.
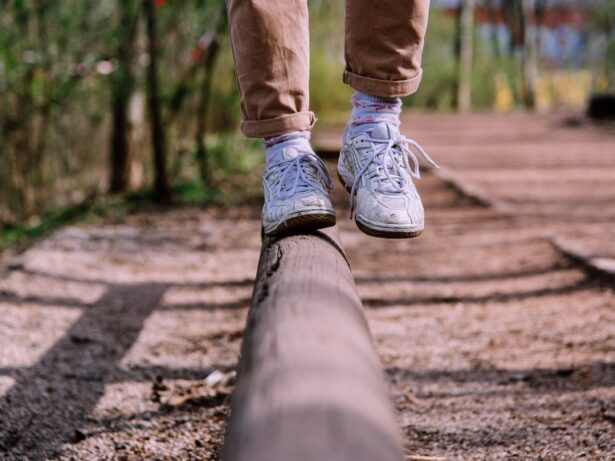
(383,88)
(299,121)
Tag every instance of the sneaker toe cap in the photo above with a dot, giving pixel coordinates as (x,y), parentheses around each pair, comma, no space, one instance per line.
(276,211)
(313,201)
(393,211)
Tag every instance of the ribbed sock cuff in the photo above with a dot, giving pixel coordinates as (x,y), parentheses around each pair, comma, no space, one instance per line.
(369,110)
(360,96)
(274,146)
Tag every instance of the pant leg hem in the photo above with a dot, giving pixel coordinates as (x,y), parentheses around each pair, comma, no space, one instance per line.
(299,121)
(383,88)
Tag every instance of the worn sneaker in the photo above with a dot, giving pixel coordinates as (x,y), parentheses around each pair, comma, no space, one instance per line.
(375,168)
(297,186)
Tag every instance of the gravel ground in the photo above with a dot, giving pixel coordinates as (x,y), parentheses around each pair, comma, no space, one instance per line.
(118,342)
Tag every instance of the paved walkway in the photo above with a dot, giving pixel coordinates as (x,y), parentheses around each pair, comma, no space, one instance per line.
(119,341)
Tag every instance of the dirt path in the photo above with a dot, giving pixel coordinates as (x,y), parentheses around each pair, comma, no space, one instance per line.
(118,342)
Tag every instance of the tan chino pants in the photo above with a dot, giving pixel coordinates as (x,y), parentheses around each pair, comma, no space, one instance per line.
(270,40)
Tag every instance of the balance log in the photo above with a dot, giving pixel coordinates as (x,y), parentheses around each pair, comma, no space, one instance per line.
(310,386)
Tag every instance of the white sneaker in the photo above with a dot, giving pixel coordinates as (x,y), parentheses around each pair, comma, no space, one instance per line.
(296,194)
(374,168)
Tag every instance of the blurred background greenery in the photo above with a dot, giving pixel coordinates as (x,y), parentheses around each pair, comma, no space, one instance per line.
(110,104)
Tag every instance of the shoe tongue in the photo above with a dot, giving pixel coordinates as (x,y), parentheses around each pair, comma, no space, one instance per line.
(288,150)
(289,153)
(384,131)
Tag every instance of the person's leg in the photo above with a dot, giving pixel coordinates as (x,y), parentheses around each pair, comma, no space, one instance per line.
(270,42)
(384,45)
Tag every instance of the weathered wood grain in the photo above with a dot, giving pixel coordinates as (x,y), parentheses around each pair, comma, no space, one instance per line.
(310,386)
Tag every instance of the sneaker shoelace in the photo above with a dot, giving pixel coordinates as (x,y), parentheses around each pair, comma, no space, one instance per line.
(300,175)
(392,159)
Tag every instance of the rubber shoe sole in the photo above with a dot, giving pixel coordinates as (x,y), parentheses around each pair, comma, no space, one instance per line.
(375,231)
(303,223)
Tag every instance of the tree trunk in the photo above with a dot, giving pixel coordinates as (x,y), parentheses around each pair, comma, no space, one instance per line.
(162,192)
(530,52)
(466,36)
(492,10)
(205,96)
(203,105)
(119,146)
(123,85)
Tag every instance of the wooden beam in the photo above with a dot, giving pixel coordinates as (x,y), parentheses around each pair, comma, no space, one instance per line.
(310,386)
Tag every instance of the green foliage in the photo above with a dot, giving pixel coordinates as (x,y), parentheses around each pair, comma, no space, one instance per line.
(195,193)
(224,110)
(40,226)
(234,154)
(604,19)
(329,98)
(60,70)
(42,70)
(439,82)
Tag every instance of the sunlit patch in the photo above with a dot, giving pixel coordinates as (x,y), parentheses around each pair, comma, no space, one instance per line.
(49,288)
(210,297)
(124,399)
(160,266)
(525,334)
(402,291)
(6,382)
(187,338)
(27,331)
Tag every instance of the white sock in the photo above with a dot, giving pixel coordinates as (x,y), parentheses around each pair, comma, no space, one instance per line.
(369,111)
(287,145)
